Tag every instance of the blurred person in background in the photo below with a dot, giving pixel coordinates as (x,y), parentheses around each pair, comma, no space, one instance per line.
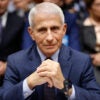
(71,37)
(90,34)
(23,7)
(69,5)
(76,7)
(11,27)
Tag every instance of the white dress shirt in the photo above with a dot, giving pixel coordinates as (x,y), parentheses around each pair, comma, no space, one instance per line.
(4,19)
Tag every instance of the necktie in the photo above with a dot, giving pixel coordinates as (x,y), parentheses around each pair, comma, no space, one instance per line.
(49,93)
(0,29)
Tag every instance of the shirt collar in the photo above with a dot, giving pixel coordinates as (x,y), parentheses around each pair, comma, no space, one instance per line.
(43,57)
(4,19)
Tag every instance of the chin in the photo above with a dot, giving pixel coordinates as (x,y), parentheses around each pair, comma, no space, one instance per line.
(50,52)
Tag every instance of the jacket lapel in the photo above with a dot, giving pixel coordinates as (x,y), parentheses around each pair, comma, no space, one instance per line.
(34,57)
(35,61)
(65,61)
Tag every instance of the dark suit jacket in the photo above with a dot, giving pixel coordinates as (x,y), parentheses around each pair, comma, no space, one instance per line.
(88,39)
(74,65)
(11,36)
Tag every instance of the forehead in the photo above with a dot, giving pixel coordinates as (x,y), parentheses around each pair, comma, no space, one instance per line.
(53,1)
(46,18)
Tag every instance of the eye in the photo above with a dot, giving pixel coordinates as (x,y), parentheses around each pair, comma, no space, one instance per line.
(42,30)
(55,28)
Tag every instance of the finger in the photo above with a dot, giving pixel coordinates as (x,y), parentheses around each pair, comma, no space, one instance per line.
(49,81)
(42,69)
(47,61)
(47,74)
(43,64)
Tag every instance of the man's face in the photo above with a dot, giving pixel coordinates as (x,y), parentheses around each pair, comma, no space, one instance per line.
(3,6)
(48,32)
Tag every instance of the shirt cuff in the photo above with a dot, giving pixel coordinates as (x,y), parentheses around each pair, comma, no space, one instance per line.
(72,97)
(26,90)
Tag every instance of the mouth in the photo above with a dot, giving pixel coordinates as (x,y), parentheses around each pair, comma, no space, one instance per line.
(49,46)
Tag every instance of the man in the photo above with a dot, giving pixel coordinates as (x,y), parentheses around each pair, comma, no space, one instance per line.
(10,35)
(68,74)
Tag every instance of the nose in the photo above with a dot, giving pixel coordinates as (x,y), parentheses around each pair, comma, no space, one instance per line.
(49,35)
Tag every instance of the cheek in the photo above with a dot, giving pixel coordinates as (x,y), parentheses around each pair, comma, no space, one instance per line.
(39,39)
(60,37)
(95,10)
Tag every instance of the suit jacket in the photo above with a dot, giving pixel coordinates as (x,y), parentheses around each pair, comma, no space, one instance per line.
(11,36)
(75,66)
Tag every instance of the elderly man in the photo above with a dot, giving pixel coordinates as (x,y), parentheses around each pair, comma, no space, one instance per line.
(49,70)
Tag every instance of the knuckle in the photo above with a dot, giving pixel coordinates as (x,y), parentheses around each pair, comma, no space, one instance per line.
(54,74)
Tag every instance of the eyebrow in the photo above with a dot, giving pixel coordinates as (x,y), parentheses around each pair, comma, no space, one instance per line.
(42,29)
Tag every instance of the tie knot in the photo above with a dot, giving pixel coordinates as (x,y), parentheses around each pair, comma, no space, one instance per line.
(48,58)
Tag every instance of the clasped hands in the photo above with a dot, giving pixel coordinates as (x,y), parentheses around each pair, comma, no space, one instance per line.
(48,72)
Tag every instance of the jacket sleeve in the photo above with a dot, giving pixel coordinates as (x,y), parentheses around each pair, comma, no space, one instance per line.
(88,89)
(12,86)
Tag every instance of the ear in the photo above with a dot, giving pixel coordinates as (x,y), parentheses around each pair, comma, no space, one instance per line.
(64,29)
(30,31)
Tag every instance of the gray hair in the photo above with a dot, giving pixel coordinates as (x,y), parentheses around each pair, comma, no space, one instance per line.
(46,7)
